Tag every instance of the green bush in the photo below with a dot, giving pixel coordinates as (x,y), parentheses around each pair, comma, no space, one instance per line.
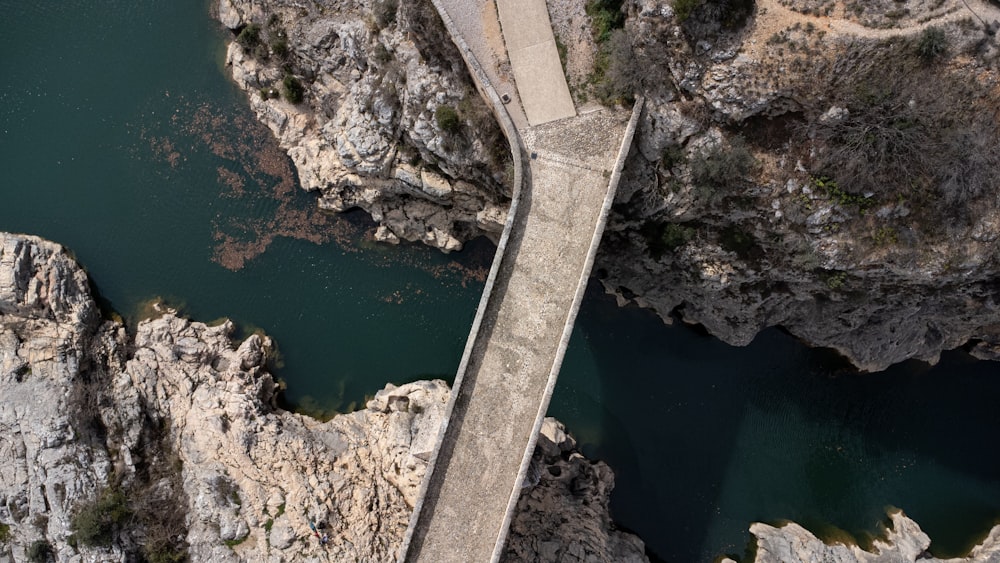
(293,89)
(932,43)
(722,165)
(605,17)
(96,522)
(684,8)
(249,36)
(40,551)
(279,46)
(4,533)
(616,77)
(664,237)
(447,119)
(736,240)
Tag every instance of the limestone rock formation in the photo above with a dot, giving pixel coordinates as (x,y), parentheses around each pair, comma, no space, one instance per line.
(726,214)
(904,542)
(169,442)
(743,206)
(389,120)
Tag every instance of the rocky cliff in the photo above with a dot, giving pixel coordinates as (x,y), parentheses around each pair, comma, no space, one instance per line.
(373,105)
(903,542)
(166,444)
(799,163)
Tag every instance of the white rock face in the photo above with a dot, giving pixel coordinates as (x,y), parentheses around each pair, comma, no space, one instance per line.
(199,408)
(904,542)
(366,134)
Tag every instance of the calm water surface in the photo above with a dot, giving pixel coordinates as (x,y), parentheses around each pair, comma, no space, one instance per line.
(121,137)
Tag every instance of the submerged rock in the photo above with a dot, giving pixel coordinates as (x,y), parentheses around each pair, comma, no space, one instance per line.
(170,439)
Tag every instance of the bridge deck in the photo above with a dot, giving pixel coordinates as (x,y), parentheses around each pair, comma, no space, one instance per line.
(505,387)
(529,305)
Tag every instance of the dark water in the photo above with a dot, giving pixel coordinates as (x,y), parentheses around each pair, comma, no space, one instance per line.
(121,137)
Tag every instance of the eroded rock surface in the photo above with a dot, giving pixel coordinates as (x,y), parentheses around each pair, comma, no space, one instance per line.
(389,120)
(180,420)
(904,542)
(880,275)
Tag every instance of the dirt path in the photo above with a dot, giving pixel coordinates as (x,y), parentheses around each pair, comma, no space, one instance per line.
(773,17)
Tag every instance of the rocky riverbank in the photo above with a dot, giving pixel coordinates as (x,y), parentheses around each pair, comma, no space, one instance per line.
(903,542)
(166,443)
(734,211)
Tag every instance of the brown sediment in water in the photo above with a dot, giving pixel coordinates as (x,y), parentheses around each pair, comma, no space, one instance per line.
(258,184)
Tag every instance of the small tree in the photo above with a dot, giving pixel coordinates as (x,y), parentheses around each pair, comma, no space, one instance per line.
(249,36)
(447,119)
(932,43)
(40,551)
(293,89)
(95,523)
(722,165)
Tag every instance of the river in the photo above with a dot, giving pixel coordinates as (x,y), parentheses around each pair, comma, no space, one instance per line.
(122,138)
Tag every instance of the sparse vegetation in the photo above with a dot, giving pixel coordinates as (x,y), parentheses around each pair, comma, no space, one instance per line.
(666,237)
(723,165)
(704,17)
(447,119)
(885,236)
(605,17)
(736,240)
(617,76)
(841,197)
(684,8)
(384,12)
(911,131)
(40,551)
(249,37)
(932,43)
(95,523)
(836,280)
(292,89)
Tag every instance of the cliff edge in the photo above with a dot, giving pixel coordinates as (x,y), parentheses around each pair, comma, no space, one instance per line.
(167,445)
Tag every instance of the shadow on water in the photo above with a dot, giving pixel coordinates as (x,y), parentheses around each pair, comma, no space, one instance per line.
(706,438)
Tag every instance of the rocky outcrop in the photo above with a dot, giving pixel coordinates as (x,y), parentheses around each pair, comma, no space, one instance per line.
(734,246)
(903,542)
(731,214)
(179,420)
(388,119)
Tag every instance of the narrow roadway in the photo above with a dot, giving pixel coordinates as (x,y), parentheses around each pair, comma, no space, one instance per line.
(511,363)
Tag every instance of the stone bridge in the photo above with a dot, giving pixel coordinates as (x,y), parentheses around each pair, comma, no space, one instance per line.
(567,166)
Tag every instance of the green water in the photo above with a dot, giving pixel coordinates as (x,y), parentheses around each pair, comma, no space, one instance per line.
(121,137)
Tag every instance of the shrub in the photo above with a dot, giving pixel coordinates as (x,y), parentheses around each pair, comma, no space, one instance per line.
(292,88)
(4,533)
(909,130)
(663,237)
(721,165)
(702,18)
(617,77)
(447,119)
(605,17)
(385,12)
(932,43)
(40,551)
(684,8)
(96,522)
(738,241)
(249,36)
(279,46)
